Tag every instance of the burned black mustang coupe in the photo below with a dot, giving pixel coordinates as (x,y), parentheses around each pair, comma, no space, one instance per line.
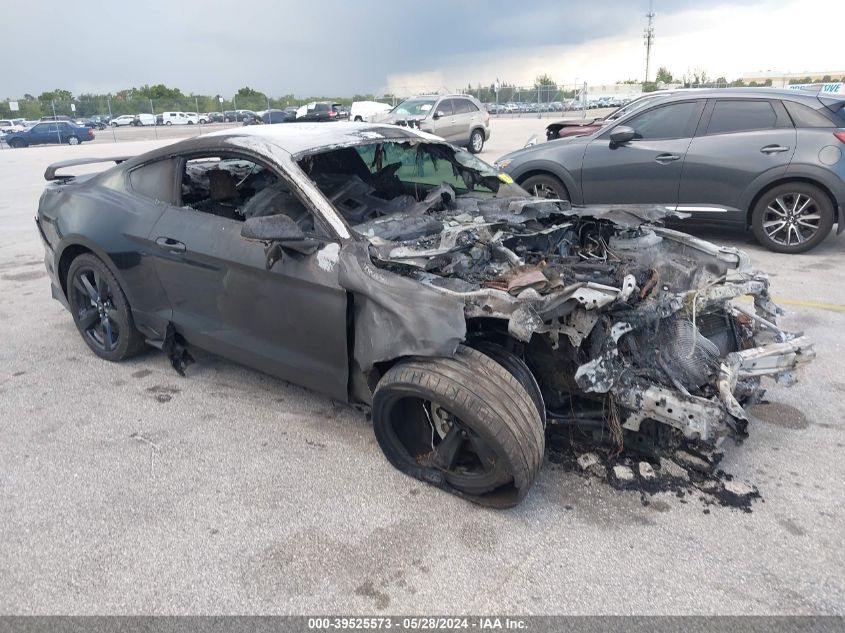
(380,265)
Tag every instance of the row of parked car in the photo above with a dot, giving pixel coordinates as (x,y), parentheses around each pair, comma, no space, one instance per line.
(518,107)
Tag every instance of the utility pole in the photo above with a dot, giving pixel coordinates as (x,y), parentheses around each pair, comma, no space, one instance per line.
(648,36)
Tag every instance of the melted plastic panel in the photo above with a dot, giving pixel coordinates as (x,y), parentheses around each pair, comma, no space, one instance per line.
(395,316)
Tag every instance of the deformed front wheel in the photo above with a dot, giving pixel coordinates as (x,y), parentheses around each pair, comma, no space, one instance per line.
(464,424)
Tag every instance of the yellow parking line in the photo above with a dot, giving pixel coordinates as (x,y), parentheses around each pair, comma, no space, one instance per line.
(801,303)
(818,305)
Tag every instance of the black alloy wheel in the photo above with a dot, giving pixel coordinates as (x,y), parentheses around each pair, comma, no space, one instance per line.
(545,186)
(792,218)
(100,310)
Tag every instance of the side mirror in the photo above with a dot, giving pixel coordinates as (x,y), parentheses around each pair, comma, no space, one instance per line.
(621,134)
(272,228)
(437,114)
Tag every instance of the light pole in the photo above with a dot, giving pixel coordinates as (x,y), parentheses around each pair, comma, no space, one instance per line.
(648,36)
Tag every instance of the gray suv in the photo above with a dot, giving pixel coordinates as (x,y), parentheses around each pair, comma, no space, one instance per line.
(769,160)
(459,119)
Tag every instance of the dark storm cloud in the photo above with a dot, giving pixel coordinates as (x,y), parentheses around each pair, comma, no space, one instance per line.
(314,47)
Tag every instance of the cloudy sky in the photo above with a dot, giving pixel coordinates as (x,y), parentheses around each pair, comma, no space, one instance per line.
(336,47)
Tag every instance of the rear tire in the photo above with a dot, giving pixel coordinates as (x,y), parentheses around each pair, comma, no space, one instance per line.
(101,311)
(72,140)
(476,141)
(464,424)
(792,218)
(545,186)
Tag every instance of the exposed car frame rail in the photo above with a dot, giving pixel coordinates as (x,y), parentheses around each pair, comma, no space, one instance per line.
(50,173)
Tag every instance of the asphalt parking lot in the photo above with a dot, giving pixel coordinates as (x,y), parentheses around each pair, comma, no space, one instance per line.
(125,488)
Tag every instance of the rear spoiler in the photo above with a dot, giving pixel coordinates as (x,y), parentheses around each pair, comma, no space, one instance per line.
(50,174)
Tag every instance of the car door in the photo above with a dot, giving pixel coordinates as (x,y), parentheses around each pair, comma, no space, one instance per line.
(42,133)
(646,169)
(467,117)
(64,130)
(740,141)
(443,120)
(288,321)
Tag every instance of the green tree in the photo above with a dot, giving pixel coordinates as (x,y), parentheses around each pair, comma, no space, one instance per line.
(248,92)
(56,95)
(663,75)
(157,91)
(544,80)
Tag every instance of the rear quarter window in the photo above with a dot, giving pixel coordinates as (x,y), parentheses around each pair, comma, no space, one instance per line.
(804,116)
(155,180)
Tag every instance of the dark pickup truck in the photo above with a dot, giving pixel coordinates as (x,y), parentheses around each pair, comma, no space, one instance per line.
(51,132)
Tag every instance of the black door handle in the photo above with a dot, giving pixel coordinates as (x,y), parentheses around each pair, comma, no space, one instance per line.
(169,244)
(666,158)
(774,149)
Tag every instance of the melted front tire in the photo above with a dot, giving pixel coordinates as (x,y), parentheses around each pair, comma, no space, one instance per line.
(464,424)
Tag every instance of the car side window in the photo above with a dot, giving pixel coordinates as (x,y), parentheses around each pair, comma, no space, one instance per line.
(155,180)
(462,106)
(803,116)
(674,120)
(40,128)
(730,116)
(445,107)
(238,189)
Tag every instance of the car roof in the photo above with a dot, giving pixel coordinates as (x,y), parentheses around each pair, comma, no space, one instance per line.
(742,93)
(296,138)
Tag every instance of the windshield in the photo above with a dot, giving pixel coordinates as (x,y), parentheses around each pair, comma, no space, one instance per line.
(367,181)
(636,104)
(415,107)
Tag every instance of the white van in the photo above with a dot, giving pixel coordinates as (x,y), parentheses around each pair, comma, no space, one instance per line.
(368,110)
(175,118)
(143,119)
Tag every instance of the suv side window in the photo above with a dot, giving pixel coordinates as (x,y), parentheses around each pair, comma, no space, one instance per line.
(445,107)
(731,116)
(463,106)
(803,116)
(674,120)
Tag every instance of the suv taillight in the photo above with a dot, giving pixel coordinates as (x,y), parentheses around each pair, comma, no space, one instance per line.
(840,136)
(332,113)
